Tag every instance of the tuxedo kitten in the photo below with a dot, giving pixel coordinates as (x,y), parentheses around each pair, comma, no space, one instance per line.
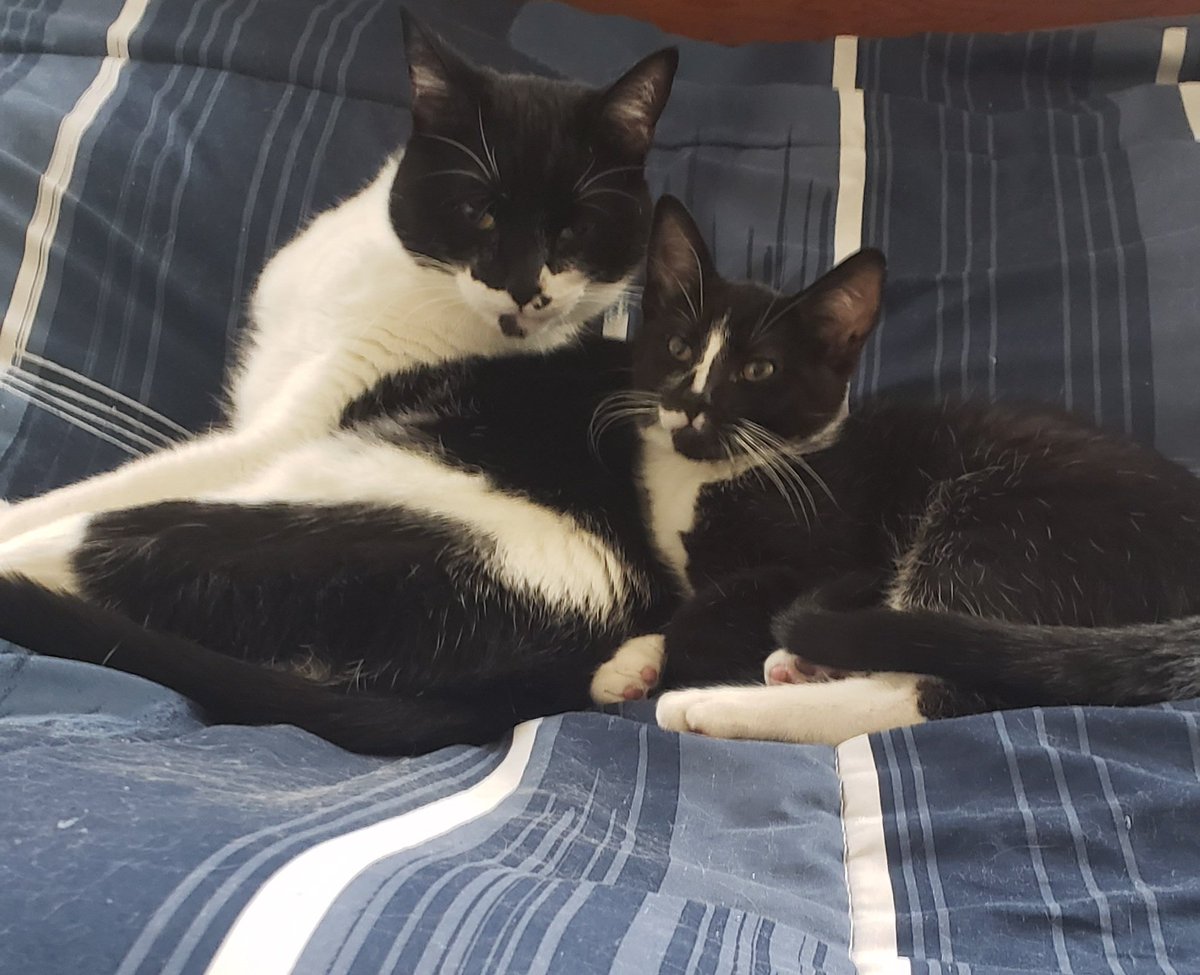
(516,213)
(914,561)
(405,539)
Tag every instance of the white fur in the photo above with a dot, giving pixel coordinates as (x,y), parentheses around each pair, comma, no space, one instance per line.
(45,553)
(807,714)
(338,308)
(672,483)
(530,548)
(625,671)
(717,337)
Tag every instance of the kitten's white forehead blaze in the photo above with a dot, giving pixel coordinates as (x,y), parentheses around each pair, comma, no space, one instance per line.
(717,339)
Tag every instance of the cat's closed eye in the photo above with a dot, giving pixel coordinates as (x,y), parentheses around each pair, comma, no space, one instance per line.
(757,370)
(679,347)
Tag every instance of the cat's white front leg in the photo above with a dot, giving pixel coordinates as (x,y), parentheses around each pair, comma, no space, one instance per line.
(808,714)
(45,554)
(207,463)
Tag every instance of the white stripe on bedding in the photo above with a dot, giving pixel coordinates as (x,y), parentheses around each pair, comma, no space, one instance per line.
(852,158)
(1189,91)
(872,908)
(1170,61)
(270,934)
(53,183)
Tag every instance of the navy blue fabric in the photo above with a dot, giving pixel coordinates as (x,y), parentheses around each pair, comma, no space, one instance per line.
(1036,196)
(1069,845)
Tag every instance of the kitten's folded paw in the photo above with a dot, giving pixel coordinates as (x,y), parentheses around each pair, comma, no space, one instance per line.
(717,712)
(631,673)
(784,667)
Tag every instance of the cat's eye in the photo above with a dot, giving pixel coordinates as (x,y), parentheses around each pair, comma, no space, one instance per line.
(757,370)
(679,347)
(577,231)
(481,216)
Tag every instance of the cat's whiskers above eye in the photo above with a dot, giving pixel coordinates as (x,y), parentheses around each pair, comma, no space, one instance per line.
(585,180)
(487,149)
(469,174)
(612,190)
(484,169)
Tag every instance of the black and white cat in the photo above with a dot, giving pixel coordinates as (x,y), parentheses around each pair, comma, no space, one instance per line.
(938,559)
(405,503)
(516,213)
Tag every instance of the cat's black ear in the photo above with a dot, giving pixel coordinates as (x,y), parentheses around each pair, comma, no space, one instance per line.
(630,107)
(677,261)
(436,70)
(845,304)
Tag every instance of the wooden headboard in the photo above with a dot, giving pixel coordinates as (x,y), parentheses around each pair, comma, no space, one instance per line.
(736,21)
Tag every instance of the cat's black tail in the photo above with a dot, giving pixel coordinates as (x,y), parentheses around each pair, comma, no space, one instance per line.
(236,692)
(1022,664)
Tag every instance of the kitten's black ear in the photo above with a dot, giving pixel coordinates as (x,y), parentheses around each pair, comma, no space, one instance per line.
(845,306)
(435,69)
(630,108)
(677,260)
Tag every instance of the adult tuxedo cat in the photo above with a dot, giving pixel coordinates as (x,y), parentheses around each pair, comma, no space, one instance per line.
(968,556)
(516,213)
(405,503)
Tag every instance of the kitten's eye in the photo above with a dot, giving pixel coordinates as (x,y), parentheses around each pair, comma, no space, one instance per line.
(678,346)
(578,230)
(481,216)
(758,369)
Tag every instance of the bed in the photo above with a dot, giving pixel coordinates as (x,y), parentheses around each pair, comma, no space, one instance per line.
(1037,196)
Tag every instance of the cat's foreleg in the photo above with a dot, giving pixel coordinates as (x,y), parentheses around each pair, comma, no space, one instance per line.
(721,633)
(807,714)
(45,554)
(631,673)
(205,464)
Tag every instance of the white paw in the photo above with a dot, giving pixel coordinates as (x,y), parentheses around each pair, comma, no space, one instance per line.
(784,667)
(718,712)
(631,673)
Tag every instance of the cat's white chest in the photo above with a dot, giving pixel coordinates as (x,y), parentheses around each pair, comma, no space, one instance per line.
(672,485)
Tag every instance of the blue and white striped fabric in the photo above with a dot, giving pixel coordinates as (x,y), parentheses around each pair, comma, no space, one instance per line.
(1037,197)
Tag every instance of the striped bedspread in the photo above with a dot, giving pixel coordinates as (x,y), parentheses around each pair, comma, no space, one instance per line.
(1037,196)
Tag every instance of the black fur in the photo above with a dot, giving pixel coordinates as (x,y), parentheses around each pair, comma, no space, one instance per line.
(1030,558)
(377,606)
(238,692)
(364,599)
(504,174)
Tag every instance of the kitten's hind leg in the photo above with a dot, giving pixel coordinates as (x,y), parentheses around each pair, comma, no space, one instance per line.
(806,714)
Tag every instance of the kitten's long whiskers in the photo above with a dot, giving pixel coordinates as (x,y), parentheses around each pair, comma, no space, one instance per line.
(456,172)
(790,451)
(485,170)
(487,150)
(605,173)
(768,466)
(687,295)
(758,326)
(616,407)
(608,189)
(777,449)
